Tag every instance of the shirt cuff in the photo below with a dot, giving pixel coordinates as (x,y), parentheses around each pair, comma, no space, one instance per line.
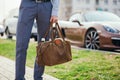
(54,13)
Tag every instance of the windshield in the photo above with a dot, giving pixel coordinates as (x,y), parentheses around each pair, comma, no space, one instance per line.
(101,16)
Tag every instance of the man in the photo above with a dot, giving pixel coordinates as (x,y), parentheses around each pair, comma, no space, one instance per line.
(44,11)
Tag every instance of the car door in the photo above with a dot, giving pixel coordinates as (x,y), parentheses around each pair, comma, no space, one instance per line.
(74,33)
(14,21)
(11,21)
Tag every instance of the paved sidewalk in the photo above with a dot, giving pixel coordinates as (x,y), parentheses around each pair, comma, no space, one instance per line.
(7,71)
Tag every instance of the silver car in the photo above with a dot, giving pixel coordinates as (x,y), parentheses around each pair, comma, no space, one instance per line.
(1,30)
(10,24)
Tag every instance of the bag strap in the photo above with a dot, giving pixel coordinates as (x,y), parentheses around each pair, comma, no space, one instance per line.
(59,30)
(50,28)
(46,33)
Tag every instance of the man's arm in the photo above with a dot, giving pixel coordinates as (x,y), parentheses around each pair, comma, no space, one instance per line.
(55,4)
(54,14)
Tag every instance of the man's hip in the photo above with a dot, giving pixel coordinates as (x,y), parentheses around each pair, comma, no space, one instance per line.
(32,3)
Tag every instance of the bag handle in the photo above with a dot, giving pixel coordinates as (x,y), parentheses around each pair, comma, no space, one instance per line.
(46,33)
(59,30)
(51,28)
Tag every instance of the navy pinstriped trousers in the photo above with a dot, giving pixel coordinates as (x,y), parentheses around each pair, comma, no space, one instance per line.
(30,10)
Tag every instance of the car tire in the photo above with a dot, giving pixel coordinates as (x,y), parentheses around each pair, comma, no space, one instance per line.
(9,36)
(92,40)
(35,38)
(2,34)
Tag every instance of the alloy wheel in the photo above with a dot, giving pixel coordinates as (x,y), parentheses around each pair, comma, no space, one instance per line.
(92,40)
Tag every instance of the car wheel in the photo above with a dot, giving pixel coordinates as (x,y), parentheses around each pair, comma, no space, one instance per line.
(35,38)
(2,34)
(92,40)
(8,34)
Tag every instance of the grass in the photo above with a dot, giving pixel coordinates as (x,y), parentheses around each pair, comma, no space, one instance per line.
(86,64)
(7,49)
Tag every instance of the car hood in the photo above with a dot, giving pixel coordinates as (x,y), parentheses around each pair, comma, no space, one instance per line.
(115,25)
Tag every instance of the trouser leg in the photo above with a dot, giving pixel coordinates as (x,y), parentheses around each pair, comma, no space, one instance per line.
(25,23)
(43,21)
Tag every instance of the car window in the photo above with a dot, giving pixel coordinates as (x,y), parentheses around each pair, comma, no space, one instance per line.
(13,13)
(100,16)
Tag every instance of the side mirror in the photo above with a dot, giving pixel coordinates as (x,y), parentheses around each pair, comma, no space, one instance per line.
(77,22)
(15,16)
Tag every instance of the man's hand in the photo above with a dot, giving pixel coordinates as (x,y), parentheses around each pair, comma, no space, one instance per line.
(53,19)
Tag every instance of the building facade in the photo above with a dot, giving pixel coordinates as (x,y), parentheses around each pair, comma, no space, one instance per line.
(6,6)
(65,9)
(69,7)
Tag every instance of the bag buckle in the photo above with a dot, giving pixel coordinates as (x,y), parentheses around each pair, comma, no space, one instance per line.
(38,1)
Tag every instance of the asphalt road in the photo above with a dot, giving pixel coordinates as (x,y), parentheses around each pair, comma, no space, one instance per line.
(32,39)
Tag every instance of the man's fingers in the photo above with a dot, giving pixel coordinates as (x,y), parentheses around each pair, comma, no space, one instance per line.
(50,19)
(54,19)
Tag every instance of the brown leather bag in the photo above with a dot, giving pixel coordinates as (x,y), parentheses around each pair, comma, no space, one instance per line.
(56,51)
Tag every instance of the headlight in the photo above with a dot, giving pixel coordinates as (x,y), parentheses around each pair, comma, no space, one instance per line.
(110,29)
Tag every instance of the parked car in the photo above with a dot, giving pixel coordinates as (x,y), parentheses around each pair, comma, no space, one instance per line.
(93,30)
(1,30)
(10,24)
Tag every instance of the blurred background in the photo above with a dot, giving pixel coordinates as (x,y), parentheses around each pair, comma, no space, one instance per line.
(67,7)
(87,64)
(6,6)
